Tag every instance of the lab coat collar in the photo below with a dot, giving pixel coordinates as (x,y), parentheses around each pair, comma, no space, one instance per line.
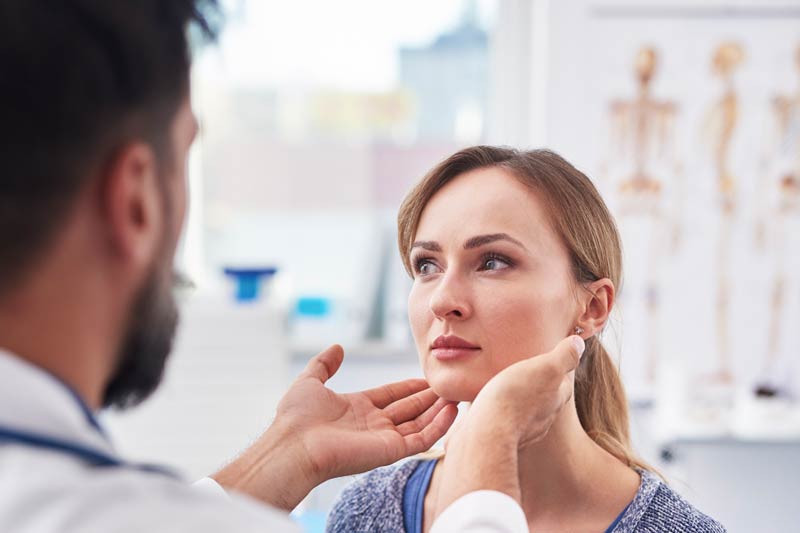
(35,401)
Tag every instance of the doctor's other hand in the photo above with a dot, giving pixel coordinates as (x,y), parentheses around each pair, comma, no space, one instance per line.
(515,408)
(524,399)
(319,434)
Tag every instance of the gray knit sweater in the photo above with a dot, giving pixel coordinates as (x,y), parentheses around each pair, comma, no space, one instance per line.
(374,502)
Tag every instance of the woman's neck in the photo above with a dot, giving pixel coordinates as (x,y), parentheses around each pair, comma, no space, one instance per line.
(567,476)
(568,482)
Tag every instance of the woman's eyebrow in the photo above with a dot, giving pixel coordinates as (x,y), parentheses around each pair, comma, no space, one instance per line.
(431,246)
(481,240)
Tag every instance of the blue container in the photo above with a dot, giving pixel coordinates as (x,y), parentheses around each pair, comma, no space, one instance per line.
(249,281)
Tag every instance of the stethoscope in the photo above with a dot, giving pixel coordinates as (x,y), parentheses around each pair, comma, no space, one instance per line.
(86,454)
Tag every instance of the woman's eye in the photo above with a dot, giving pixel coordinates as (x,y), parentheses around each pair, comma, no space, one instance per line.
(426,267)
(495,263)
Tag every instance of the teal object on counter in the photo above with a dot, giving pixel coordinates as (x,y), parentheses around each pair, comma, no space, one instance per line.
(316,307)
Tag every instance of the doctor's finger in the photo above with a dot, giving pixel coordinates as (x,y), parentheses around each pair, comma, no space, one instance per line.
(567,354)
(427,437)
(411,407)
(325,364)
(388,394)
(566,390)
(418,424)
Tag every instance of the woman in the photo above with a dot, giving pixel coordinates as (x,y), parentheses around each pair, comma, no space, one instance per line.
(511,252)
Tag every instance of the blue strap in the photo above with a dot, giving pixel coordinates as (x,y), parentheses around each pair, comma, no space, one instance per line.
(414,495)
(615,522)
(86,454)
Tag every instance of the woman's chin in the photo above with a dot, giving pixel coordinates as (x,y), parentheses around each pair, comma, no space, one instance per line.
(455,390)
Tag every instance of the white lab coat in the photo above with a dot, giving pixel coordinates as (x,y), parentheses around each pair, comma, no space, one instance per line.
(46,489)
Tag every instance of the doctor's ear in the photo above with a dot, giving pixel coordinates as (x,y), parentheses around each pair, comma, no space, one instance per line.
(132,204)
(598,299)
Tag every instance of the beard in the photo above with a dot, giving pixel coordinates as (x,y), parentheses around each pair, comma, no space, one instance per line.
(147,342)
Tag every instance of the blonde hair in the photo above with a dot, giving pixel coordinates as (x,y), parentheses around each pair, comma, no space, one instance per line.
(581,219)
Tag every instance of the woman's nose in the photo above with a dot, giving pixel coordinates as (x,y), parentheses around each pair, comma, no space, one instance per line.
(449,300)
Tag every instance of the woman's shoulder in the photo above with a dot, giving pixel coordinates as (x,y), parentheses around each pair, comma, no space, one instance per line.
(658,508)
(373,502)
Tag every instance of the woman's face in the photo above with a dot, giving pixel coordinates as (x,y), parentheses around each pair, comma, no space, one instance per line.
(492,282)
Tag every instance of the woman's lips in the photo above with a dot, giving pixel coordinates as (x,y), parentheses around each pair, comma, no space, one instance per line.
(450,347)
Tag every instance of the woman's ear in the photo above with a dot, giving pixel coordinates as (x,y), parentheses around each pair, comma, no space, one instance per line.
(598,302)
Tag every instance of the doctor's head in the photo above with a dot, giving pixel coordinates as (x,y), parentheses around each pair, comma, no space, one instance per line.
(94,140)
(510,252)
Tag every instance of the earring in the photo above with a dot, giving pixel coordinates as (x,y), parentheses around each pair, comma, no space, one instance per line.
(578,330)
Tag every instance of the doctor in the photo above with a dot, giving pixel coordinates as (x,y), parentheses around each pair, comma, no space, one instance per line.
(95,127)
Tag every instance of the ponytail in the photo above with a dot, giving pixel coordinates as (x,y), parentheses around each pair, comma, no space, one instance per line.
(602,405)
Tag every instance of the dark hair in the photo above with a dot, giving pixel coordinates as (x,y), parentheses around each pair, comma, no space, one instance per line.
(80,78)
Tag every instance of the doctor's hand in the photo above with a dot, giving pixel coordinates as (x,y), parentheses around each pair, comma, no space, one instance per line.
(523,400)
(319,434)
(515,408)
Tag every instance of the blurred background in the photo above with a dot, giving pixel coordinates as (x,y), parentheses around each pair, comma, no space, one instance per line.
(317,117)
